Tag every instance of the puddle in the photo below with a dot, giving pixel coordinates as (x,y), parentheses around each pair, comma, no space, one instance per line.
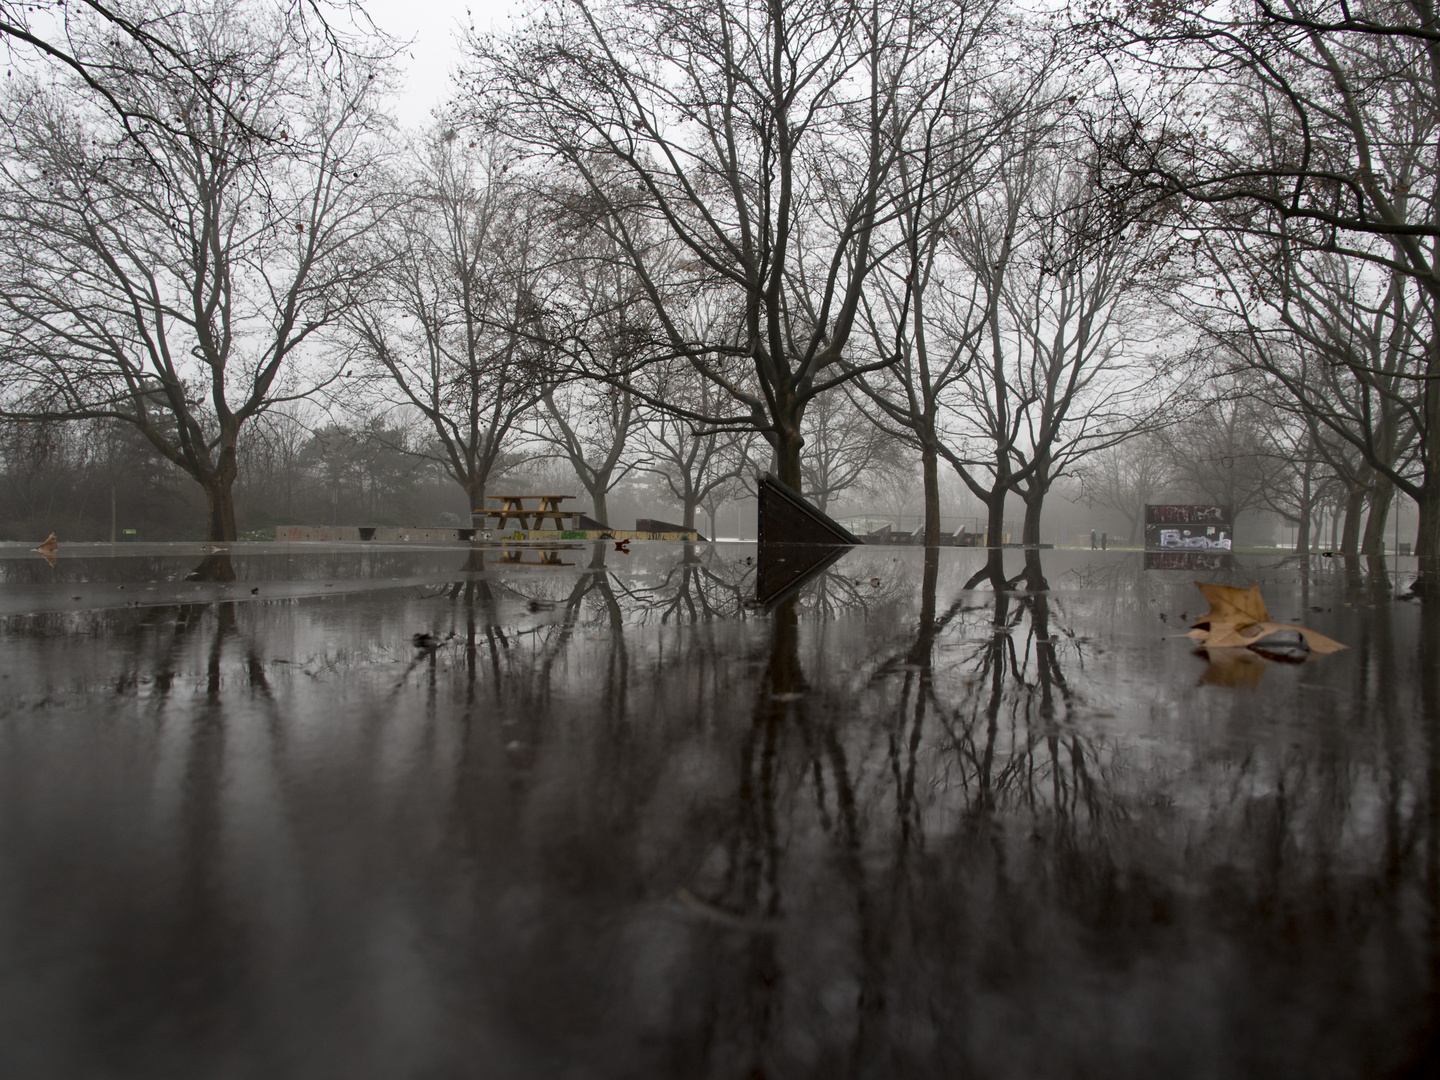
(392,810)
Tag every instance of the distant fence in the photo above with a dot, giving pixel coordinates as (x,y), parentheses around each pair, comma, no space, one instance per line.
(949,523)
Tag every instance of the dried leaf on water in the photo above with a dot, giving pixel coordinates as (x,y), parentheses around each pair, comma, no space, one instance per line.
(1229,604)
(1238,619)
(1228,636)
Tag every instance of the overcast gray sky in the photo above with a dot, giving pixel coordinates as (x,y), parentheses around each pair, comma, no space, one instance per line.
(432,26)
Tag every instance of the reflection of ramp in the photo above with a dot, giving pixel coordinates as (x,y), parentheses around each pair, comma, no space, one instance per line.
(797,541)
(785,567)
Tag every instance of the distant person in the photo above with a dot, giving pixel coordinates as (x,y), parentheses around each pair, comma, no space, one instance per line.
(1103,537)
(1092,539)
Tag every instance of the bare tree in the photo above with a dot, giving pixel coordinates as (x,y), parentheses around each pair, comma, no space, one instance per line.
(915,309)
(1337,341)
(271,470)
(453,320)
(1308,123)
(848,451)
(595,408)
(1078,309)
(1221,453)
(1125,477)
(35,458)
(62,35)
(593,424)
(1300,481)
(1049,279)
(171,288)
(758,139)
(697,464)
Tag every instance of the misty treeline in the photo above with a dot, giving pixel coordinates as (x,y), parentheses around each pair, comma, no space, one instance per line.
(1136,251)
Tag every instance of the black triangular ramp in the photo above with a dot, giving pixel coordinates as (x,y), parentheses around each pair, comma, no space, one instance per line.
(797,541)
(785,567)
(787,518)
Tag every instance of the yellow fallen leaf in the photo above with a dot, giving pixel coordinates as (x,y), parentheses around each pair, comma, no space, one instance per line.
(1229,604)
(1238,619)
(1222,635)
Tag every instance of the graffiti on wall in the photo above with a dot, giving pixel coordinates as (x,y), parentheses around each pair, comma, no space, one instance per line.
(1188,527)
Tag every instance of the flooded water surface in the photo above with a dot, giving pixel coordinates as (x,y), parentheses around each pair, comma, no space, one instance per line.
(382,812)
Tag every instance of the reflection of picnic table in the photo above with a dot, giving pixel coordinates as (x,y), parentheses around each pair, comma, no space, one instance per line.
(513,506)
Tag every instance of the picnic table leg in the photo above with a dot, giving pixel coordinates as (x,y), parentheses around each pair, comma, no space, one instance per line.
(516,509)
(550,508)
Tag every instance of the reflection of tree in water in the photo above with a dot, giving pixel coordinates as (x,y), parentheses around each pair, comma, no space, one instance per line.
(894,843)
(172,958)
(915,845)
(699,587)
(983,845)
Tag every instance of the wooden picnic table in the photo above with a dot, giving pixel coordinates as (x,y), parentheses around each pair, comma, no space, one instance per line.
(513,506)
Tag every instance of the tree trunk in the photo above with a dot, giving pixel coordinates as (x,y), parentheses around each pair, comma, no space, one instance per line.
(220,509)
(112,511)
(1035,582)
(930,465)
(1034,498)
(600,510)
(787,444)
(1381,496)
(222,505)
(995,520)
(476,492)
(1030,532)
(1427,537)
(1302,535)
(689,519)
(1355,509)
